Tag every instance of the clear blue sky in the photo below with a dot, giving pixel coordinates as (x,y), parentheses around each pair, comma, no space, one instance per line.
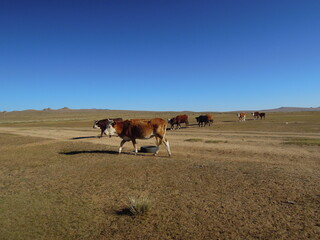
(159,55)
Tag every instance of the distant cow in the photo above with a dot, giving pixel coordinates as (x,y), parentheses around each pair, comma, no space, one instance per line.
(178,120)
(102,124)
(255,115)
(262,115)
(210,118)
(130,130)
(241,116)
(203,120)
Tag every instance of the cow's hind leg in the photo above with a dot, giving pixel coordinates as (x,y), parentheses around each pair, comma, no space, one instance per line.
(159,140)
(166,143)
(135,146)
(158,143)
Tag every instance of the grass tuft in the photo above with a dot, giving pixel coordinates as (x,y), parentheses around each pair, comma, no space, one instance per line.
(303,141)
(193,140)
(215,141)
(139,206)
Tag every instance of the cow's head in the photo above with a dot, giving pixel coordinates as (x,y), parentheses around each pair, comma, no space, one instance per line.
(197,118)
(172,121)
(110,130)
(95,123)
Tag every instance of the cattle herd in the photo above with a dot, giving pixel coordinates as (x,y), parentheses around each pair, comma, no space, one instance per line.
(242,116)
(133,129)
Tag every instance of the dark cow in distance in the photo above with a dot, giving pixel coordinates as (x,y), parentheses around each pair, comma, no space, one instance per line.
(255,115)
(133,129)
(102,124)
(203,120)
(178,120)
(262,115)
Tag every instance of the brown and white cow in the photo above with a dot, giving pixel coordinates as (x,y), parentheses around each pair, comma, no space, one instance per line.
(241,116)
(133,129)
(102,124)
(255,115)
(178,120)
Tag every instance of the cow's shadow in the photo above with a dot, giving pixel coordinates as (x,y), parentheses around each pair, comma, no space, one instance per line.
(89,151)
(75,138)
(123,212)
(103,152)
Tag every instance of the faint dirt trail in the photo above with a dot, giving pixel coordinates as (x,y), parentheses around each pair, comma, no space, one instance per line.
(238,144)
(26,145)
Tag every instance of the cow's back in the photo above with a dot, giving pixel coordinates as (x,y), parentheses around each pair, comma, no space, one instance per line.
(158,123)
(141,128)
(102,123)
(182,118)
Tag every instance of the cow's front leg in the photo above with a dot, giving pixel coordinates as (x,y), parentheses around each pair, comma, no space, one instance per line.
(101,134)
(121,145)
(135,146)
(166,143)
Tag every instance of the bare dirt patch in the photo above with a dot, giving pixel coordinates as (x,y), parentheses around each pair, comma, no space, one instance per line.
(64,183)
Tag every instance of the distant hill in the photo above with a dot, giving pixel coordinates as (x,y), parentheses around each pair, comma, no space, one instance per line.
(292,109)
(280,109)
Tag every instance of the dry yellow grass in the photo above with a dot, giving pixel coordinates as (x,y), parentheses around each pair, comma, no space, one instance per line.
(58,181)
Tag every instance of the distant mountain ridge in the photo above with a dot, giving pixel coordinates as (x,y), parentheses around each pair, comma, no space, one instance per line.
(280,109)
(292,109)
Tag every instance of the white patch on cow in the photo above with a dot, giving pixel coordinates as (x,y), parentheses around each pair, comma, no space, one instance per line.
(110,131)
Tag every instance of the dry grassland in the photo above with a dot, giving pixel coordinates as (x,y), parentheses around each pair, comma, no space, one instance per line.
(251,180)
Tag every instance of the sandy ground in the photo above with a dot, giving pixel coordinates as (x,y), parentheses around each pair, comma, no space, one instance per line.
(239,142)
(241,185)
